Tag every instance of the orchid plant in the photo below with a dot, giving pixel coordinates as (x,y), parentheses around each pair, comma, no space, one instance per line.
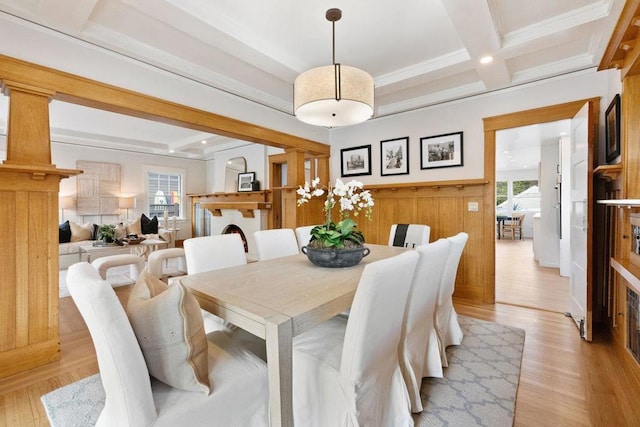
(351,198)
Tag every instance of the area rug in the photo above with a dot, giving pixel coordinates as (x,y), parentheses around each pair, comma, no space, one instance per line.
(480,385)
(478,389)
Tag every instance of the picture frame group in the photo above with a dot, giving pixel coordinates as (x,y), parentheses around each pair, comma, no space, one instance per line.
(245,181)
(437,151)
(441,151)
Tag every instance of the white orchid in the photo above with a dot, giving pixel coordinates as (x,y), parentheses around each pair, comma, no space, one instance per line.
(352,197)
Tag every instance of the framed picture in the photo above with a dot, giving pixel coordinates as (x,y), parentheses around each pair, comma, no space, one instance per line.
(612,129)
(355,161)
(394,156)
(441,151)
(245,181)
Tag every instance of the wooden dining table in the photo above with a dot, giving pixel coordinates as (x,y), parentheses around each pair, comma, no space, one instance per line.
(276,300)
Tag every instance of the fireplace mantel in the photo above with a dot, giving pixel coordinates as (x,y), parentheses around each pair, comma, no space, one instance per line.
(245,202)
(246,208)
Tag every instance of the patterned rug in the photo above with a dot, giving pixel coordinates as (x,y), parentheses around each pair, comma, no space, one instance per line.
(478,389)
(479,386)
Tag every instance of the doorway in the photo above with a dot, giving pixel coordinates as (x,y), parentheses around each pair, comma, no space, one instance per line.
(529,177)
(525,118)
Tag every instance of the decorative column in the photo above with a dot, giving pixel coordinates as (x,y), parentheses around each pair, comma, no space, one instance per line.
(29,186)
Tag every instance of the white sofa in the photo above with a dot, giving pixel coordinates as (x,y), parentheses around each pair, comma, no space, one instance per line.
(69,253)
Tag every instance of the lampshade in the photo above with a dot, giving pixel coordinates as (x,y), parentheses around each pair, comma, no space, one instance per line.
(66,202)
(333,95)
(127,202)
(315,101)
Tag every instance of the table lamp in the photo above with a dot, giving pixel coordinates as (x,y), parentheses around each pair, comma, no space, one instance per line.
(127,203)
(65,202)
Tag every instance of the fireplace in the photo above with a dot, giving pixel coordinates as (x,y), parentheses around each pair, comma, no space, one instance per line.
(232,220)
(220,213)
(234,229)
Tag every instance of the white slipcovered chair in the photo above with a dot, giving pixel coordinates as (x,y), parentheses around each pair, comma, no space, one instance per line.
(409,235)
(135,263)
(212,253)
(239,391)
(346,372)
(303,235)
(157,259)
(419,348)
(275,243)
(447,326)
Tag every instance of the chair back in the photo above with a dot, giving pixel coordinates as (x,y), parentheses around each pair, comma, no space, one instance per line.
(123,371)
(448,281)
(214,252)
(275,243)
(409,235)
(419,340)
(156,260)
(370,351)
(303,235)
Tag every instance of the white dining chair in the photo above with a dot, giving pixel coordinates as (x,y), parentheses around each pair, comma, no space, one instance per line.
(346,372)
(303,235)
(158,259)
(212,253)
(447,326)
(239,390)
(275,243)
(419,341)
(409,235)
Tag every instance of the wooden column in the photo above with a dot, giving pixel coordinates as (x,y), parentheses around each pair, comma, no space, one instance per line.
(323,169)
(29,186)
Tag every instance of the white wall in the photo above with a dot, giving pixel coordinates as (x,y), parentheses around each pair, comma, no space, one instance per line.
(465,115)
(132,179)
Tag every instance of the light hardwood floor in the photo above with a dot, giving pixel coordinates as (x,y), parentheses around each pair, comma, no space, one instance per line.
(564,381)
(521,281)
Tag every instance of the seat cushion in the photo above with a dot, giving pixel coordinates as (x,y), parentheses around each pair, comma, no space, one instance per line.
(170,331)
(239,394)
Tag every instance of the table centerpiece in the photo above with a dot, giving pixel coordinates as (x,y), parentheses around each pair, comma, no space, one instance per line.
(337,244)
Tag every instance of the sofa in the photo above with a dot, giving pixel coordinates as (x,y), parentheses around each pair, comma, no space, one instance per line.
(73,235)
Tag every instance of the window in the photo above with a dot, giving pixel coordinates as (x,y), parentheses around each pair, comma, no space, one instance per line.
(164,193)
(501,192)
(526,196)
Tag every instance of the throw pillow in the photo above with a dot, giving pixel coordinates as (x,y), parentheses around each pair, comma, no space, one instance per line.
(64,232)
(168,324)
(134,228)
(149,226)
(121,231)
(80,232)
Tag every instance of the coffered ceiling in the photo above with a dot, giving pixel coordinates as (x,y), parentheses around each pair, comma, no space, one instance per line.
(420,52)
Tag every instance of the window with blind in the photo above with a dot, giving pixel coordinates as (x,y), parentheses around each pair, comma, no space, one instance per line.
(164,193)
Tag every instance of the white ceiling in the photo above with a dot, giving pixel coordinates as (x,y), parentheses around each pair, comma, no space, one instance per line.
(420,52)
(519,148)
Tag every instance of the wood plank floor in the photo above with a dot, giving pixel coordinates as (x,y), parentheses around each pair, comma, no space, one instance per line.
(521,281)
(564,381)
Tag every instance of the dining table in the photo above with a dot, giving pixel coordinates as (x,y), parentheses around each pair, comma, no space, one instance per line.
(500,219)
(276,300)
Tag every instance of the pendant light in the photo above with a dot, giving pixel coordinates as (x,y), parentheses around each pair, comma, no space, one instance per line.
(333,95)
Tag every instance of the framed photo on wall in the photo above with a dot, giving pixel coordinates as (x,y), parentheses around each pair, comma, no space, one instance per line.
(245,181)
(394,156)
(355,161)
(441,151)
(612,129)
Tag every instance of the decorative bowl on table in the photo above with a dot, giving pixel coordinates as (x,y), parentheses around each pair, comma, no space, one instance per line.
(335,258)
